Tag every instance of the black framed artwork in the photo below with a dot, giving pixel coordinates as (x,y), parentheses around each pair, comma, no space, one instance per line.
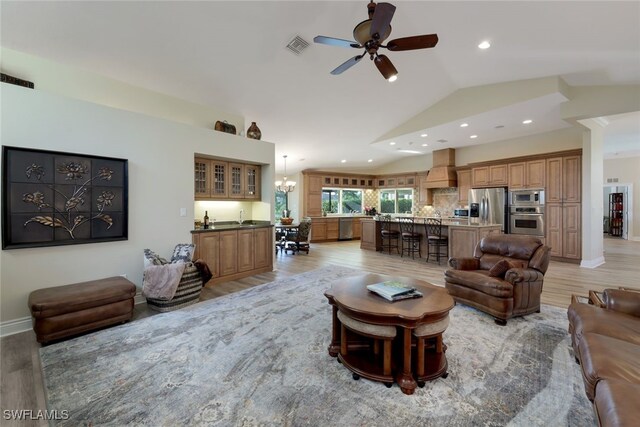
(52,198)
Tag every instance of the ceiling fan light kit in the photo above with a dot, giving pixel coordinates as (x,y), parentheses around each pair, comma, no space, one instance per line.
(370,34)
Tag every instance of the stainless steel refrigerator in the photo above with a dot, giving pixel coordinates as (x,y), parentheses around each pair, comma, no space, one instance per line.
(489,206)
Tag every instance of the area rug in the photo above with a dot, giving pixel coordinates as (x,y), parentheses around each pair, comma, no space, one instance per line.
(259,357)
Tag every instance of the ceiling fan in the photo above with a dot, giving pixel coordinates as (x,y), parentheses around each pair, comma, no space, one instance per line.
(370,34)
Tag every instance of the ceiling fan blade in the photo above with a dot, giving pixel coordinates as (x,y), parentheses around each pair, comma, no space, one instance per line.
(415,42)
(346,65)
(331,41)
(385,67)
(382,19)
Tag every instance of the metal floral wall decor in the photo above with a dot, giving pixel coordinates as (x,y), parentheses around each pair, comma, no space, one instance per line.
(51,198)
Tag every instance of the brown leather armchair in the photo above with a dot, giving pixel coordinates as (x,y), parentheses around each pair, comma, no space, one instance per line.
(515,292)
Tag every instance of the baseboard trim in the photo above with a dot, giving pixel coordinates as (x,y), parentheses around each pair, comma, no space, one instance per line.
(139,299)
(592,263)
(15,326)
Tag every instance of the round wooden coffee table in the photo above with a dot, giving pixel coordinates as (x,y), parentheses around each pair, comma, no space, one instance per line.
(351,297)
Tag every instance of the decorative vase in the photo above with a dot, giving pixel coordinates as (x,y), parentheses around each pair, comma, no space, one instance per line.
(254,131)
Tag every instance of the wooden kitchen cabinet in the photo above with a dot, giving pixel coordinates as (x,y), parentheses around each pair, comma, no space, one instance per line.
(233,254)
(527,174)
(263,247)
(425,194)
(208,249)
(252,182)
(464,185)
(333,228)
(489,176)
(563,212)
(370,237)
(318,229)
(228,252)
(357,228)
(220,180)
(312,197)
(246,250)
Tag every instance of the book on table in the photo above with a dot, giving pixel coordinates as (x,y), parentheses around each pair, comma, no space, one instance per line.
(392,290)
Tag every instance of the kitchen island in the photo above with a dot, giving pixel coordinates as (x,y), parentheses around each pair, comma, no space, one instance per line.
(463,237)
(234,250)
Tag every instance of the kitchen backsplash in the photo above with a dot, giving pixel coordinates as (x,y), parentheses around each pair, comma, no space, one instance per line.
(445,200)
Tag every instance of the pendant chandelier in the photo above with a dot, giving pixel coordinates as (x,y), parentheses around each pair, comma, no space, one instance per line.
(285,185)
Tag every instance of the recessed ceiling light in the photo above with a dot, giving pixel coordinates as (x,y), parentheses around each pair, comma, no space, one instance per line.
(424,135)
(526,122)
(464,125)
(392,143)
(473,136)
(370,160)
(343,161)
(425,145)
(484,45)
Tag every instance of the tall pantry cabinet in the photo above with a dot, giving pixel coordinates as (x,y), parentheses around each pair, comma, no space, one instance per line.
(563,206)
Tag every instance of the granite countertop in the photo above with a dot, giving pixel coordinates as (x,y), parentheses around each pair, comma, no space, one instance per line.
(233,225)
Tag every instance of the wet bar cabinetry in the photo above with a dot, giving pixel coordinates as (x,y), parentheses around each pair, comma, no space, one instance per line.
(235,252)
(221,180)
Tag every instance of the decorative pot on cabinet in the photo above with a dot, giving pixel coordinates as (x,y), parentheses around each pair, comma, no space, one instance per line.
(254,131)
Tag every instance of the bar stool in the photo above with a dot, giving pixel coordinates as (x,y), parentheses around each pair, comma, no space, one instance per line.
(435,240)
(389,235)
(410,239)
(423,333)
(383,333)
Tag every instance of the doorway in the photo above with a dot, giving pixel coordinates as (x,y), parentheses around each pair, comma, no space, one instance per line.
(617,210)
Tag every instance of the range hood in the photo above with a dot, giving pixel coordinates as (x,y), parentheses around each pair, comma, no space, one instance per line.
(443,173)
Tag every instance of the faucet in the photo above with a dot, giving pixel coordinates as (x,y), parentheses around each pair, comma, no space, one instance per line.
(240,221)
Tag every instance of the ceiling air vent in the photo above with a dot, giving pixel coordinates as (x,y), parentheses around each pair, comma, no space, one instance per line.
(297,45)
(442,141)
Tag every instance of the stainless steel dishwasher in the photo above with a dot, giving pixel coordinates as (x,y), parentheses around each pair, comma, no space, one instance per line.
(345,228)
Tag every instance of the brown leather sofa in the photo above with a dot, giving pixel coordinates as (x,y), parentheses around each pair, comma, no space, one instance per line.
(506,294)
(606,343)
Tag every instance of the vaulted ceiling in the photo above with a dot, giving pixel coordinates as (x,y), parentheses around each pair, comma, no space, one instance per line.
(232,56)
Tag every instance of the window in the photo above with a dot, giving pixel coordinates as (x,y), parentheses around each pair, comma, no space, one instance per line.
(337,201)
(330,200)
(351,201)
(281,203)
(396,201)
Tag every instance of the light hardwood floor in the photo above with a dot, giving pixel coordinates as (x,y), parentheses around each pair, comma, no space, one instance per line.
(20,375)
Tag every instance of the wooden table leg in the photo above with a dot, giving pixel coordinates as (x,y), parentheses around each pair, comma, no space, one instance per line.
(405,379)
(334,347)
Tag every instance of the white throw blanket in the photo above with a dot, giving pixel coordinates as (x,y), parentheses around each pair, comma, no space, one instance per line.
(161,281)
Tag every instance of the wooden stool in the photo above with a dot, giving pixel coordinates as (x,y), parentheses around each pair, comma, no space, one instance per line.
(378,332)
(422,334)
(409,237)
(389,235)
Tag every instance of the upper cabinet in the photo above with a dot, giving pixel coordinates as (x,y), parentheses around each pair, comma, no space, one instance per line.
(529,174)
(489,176)
(564,179)
(220,180)
(464,185)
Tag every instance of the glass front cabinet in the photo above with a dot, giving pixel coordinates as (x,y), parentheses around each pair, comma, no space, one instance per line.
(216,179)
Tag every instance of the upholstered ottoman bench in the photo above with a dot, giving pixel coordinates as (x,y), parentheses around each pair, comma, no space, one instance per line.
(62,311)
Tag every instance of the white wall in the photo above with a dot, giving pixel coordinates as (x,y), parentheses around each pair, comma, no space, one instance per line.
(160,154)
(627,171)
(76,83)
